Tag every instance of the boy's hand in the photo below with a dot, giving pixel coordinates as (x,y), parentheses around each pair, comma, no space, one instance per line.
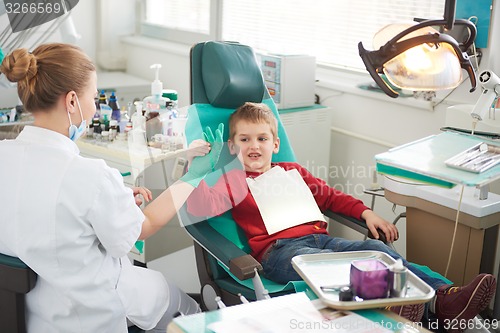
(203,164)
(374,222)
(197,148)
(144,192)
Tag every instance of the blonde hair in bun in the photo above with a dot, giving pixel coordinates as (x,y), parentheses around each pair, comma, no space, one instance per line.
(47,73)
(19,65)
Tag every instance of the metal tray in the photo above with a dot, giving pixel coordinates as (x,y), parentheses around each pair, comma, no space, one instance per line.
(332,269)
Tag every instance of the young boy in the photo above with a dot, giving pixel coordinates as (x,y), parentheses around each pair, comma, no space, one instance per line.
(253,136)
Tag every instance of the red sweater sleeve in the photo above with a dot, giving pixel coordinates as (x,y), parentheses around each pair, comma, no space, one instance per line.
(329,198)
(228,191)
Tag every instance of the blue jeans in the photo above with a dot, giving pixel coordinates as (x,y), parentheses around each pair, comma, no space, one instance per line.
(278,267)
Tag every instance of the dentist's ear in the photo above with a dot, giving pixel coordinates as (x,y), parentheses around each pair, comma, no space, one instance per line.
(70,101)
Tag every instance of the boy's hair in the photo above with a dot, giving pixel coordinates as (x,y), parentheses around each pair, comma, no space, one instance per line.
(254,113)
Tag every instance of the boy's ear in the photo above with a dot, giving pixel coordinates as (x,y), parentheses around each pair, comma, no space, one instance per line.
(276,145)
(232,147)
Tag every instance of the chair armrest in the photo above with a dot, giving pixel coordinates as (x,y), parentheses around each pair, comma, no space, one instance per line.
(239,263)
(355,224)
(15,275)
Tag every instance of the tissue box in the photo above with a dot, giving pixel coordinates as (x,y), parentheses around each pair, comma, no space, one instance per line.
(369,278)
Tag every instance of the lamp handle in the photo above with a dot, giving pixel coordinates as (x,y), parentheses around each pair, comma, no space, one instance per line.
(365,55)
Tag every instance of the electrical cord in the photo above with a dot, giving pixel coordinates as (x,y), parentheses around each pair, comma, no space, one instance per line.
(454,232)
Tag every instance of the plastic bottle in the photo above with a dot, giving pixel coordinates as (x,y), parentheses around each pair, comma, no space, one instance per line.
(171,94)
(124,119)
(155,105)
(136,136)
(97,126)
(113,129)
(102,99)
(113,103)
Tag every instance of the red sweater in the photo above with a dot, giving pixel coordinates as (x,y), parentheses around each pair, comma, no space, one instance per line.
(231,191)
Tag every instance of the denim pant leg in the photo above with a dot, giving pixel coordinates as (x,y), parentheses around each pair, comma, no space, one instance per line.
(277,265)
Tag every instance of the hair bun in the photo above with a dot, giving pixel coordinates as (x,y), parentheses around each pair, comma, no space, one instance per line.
(19,65)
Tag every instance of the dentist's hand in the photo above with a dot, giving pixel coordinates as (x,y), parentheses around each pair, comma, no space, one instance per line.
(203,165)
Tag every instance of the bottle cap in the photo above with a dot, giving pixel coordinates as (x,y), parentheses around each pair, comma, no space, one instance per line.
(398,266)
(170,94)
(157,85)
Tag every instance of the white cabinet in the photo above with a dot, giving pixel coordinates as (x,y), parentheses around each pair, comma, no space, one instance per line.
(150,168)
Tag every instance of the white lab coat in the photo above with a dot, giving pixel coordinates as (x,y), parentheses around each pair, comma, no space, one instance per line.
(72,220)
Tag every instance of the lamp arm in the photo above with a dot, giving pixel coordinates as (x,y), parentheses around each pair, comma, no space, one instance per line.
(470,26)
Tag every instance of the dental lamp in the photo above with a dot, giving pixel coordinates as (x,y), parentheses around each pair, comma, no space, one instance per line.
(490,84)
(419,57)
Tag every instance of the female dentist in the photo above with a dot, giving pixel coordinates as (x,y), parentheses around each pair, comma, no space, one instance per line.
(71,219)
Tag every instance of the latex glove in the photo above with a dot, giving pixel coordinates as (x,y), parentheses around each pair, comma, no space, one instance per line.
(139,245)
(203,165)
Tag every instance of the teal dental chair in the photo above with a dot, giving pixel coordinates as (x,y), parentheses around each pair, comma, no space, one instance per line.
(16,280)
(225,75)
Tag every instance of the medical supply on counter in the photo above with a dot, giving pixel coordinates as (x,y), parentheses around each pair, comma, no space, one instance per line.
(105,136)
(172,95)
(156,107)
(115,109)
(100,101)
(138,119)
(124,119)
(96,125)
(113,129)
(397,279)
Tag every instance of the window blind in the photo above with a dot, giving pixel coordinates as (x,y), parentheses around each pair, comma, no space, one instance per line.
(328,29)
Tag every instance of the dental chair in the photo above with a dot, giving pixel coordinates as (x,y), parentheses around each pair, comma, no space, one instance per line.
(225,75)
(16,280)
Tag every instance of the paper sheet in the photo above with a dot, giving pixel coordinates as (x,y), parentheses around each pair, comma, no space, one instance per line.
(284,199)
(292,314)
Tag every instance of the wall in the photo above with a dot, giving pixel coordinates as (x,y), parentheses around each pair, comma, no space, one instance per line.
(83,15)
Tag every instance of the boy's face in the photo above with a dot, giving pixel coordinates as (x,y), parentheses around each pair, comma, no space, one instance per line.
(255,145)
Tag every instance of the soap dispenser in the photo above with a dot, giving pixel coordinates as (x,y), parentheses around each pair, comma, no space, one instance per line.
(155,105)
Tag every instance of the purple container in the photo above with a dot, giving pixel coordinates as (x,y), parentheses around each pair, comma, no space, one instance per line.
(369,278)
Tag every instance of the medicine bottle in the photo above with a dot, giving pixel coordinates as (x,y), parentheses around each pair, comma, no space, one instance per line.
(90,130)
(97,126)
(113,103)
(113,129)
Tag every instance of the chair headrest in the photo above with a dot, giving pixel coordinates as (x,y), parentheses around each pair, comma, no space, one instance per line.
(231,75)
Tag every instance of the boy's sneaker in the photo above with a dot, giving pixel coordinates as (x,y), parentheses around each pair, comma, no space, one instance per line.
(455,306)
(412,312)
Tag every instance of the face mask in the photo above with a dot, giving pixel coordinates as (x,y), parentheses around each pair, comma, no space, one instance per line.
(76,132)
